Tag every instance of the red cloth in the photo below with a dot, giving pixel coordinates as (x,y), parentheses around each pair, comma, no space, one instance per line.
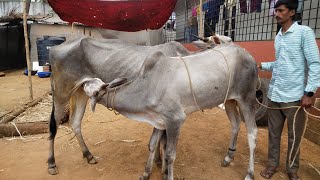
(130,15)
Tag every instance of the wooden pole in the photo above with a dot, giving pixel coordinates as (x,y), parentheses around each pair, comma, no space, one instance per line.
(201,21)
(17,111)
(27,128)
(26,39)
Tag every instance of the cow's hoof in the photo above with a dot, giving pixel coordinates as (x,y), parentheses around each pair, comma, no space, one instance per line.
(249,177)
(144,177)
(92,161)
(225,163)
(158,162)
(52,170)
(164,177)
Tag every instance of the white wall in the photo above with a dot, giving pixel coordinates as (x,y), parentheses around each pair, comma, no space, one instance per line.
(150,37)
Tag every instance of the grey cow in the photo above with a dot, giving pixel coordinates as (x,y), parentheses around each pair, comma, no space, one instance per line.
(81,58)
(161,95)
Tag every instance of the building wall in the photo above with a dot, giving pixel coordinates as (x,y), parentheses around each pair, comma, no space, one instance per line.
(150,37)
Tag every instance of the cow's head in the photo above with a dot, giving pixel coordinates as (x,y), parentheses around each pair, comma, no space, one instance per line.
(212,41)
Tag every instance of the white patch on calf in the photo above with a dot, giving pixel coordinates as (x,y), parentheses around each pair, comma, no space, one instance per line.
(92,88)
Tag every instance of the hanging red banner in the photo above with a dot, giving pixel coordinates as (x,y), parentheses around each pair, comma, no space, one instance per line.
(121,15)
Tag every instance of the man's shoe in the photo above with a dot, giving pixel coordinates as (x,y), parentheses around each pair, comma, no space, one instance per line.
(293,176)
(268,172)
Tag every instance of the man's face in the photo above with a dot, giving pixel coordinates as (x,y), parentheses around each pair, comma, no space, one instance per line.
(283,14)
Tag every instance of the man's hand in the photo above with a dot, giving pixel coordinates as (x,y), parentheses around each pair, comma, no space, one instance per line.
(306,101)
(259,65)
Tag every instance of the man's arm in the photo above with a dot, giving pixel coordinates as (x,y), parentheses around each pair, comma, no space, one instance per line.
(311,52)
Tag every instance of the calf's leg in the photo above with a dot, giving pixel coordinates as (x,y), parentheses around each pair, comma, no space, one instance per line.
(153,148)
(157,158)
(163,146)
(160,150)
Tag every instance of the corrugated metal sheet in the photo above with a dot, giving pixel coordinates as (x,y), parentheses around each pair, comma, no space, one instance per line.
(36,8)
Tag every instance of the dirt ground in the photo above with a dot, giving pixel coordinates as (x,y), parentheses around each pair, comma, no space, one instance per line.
(14,89)
(120,145)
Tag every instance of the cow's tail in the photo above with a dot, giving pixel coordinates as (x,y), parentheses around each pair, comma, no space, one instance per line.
(52,124)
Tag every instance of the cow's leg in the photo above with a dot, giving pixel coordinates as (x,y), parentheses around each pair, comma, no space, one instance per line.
(233,115)
(172,132)
(248,112)
(78,106)
(57,114)
(153,147)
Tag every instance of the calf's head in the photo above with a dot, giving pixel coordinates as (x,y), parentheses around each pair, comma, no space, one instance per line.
(95,88)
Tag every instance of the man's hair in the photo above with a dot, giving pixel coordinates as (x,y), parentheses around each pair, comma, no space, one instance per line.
(290,4)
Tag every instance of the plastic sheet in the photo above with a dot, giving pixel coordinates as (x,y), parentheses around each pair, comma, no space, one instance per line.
(121,15)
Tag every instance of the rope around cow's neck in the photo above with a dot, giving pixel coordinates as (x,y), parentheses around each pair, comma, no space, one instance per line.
(192,91)
(112,101)
(294,123)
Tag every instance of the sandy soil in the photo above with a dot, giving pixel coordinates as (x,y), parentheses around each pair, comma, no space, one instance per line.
(14,89)
(202,145)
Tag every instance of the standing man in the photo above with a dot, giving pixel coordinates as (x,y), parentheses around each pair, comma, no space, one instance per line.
(296,53)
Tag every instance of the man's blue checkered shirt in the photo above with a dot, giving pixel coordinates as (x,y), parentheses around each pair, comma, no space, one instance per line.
(296,52)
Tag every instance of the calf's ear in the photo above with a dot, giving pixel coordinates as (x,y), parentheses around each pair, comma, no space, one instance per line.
(104,86)
(117,82)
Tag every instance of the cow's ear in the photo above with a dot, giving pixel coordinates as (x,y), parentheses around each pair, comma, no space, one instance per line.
(151,61)
(216,39)
(200,44)
(117,82)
